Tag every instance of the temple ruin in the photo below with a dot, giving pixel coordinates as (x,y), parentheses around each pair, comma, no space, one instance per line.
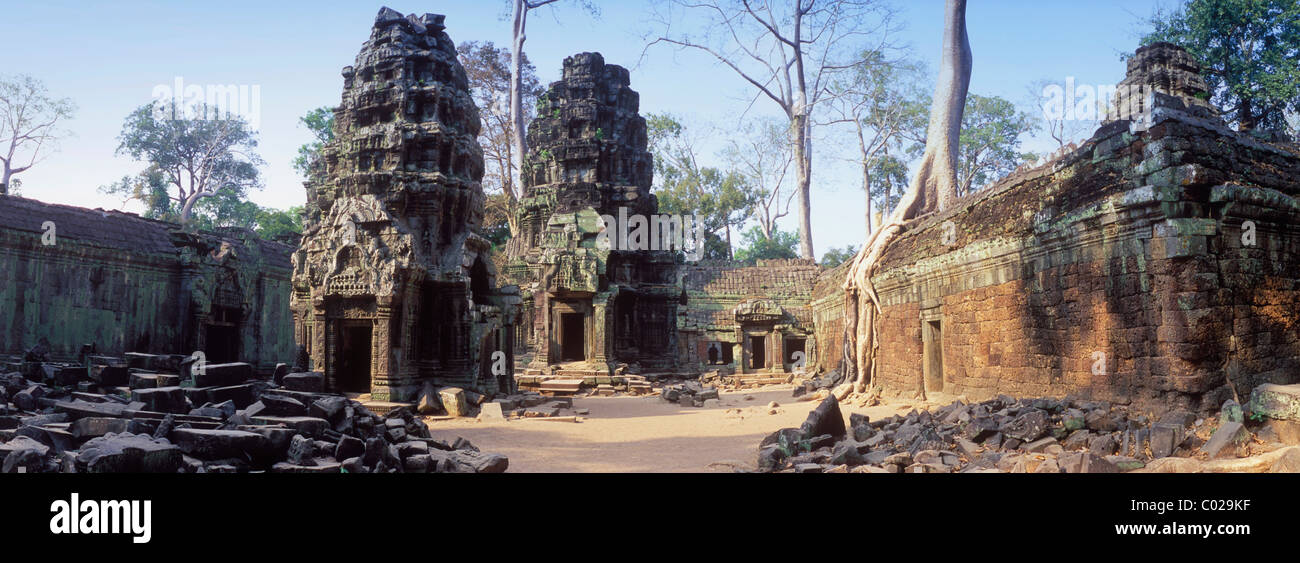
(1156,263)
(392,285)
(748,319)
(81,279)
(591,307)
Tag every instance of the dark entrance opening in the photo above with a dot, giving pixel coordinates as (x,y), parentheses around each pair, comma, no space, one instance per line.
(727,354)
(573,346)
(354,360)
(758,352)
(932,342)
(221,336)
(795,352)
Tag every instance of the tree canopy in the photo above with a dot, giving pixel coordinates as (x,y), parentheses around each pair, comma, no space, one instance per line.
(201,157)
(29,119)
(1249,51)
(755,246)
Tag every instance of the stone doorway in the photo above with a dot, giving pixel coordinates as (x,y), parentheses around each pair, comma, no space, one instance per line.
(932,365)
(757,352)
(573,342)
(221,335)
(796,351)
(354,359)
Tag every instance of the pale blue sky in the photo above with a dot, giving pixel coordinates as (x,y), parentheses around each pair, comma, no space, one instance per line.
(109,56)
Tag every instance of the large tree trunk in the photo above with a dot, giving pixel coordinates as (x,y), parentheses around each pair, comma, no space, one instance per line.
(932,189)
(803,159)
(516,94)
(866,174)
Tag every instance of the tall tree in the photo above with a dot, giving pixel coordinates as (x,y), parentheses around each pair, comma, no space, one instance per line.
(721,200)
(200,157)
(790,52)
(888,181)
(932,188)
(885,106)
(488,68)
(1249,52)
(760,153)
(518,86)
(320,122)
(991,134)
(29,117)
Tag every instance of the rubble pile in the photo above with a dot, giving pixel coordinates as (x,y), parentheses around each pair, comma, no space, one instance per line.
(1041,435)
(146,413)
(691,394)
(826,383)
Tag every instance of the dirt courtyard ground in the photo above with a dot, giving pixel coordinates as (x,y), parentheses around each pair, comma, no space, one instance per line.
(645,434)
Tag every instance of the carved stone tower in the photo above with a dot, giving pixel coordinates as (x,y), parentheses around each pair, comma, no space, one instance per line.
(392,282)
(588,305)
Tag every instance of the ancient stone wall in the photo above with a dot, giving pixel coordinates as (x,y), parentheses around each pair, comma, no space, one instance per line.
(728,303)
(1152,263)
(127,284)
(827,304)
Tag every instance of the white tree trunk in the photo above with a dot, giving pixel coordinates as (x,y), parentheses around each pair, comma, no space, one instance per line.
(932,189)
(516,96)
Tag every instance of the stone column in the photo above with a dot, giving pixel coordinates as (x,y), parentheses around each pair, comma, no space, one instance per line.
(381,372)
(601,343)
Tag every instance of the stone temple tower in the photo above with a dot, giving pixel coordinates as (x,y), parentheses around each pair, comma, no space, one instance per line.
(392,283)
(590,307)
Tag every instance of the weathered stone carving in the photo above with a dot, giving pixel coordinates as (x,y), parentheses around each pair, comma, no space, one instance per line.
(392,283)
(597,306)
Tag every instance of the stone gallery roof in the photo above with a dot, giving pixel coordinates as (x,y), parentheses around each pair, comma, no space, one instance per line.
(114,229)
(109,229)
(770,278)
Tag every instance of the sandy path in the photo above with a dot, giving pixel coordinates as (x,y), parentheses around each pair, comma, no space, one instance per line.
(643,434)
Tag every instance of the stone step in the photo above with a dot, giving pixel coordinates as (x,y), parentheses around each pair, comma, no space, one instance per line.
(382,408)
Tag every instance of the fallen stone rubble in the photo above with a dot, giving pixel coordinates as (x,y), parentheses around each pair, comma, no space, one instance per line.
(1043,435)
(691,394)
(145,413)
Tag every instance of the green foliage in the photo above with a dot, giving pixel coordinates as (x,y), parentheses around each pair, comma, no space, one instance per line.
(600,134)
(320,122)
(888,181)
(836,256)
(722,200)
(989,147)
(1249,52)
(754,246)
(200,155)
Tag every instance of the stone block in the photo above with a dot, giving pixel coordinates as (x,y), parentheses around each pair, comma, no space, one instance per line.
(312,382)
(1280,402)
(162,399)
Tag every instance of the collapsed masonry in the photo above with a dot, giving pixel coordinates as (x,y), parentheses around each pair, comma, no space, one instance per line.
(587,306)
(392,285)
(143,413)
(1157,262)
(75,280)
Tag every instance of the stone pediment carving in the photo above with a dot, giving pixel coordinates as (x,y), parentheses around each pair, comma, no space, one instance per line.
(759,310)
